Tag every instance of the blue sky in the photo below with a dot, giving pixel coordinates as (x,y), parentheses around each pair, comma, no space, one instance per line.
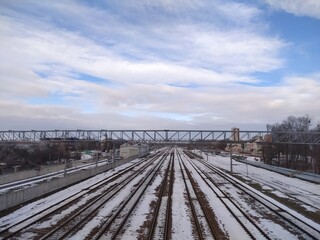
(161,64)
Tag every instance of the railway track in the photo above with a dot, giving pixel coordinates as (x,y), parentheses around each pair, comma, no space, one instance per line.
(200,217)
(161,223)
(302,228)
(76,218)
(112,227)
(279,186)
(155,198)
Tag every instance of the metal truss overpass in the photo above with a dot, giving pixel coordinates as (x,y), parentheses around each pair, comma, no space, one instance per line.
(231,136)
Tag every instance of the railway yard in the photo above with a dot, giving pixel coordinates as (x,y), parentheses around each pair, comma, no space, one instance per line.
(172,194)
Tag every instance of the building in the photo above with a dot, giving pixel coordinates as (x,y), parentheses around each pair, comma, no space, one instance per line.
(235,137)
(132,150)
(253,148)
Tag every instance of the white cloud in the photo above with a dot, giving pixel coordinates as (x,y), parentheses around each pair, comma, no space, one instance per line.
(231,51)
(155,106)
(310,8)
(238,51)
(173,38)
(171,73)
(61,52)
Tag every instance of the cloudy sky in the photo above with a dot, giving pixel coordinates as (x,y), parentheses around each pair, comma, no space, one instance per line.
(158,64)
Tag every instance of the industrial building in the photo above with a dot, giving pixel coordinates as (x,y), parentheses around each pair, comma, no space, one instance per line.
(131,150)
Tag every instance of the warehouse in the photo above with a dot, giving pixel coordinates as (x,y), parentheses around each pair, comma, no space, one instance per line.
(130,150)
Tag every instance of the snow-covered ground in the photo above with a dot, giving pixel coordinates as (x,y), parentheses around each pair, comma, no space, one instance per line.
(25,183)
(52,200)
(302,193)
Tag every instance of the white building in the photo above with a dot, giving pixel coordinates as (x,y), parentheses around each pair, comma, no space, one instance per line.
(138,150)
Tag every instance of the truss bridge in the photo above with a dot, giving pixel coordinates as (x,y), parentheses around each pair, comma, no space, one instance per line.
(231,136)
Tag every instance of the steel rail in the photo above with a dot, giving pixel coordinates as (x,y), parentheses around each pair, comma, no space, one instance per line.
(299,224)
(142,186)
(193,211)
(5,233)
(223,200)
(80,218)
(168,222)
(216,233)
(164,187)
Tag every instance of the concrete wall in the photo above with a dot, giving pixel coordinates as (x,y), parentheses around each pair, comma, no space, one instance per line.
(11,199)
(12,177)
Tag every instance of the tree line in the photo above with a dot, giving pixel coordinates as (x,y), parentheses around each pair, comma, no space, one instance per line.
(294,156)
(31,156)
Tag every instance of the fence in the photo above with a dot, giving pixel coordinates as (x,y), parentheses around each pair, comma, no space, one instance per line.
(14,198)
(12,177)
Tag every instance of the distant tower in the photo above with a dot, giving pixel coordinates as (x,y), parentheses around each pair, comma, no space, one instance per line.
(235,137)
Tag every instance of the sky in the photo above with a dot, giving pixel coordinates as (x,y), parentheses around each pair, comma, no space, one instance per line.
(158,64)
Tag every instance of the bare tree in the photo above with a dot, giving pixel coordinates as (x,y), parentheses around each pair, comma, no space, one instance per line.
(293,156)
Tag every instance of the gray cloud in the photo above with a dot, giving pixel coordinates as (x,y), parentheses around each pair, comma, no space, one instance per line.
(160,71)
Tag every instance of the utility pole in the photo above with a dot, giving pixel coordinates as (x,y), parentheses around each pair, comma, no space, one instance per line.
(230,148)
(66,159)
(247,166)
(113,156)
(97,159)
(65,168)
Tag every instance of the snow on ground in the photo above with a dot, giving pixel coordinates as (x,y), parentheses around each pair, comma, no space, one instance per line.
(308,194)
(142,211)
(181,222)
(52,200)
(227,222)
(26,183)
(224,162)
(275,231)
(106,211)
